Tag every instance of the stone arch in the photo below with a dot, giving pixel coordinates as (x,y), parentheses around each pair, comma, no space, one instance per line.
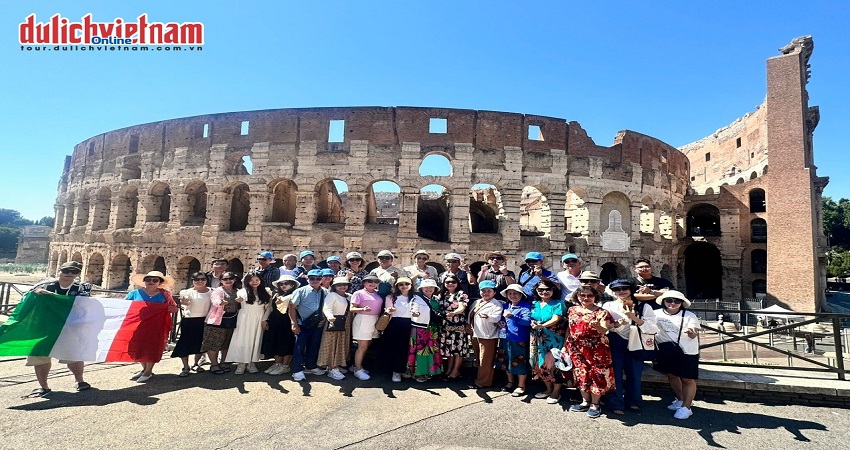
(436,164)
(235,265)
(612,270)
(667,272)
(371,266)
(240,205)
(63,258)
(94,269)
(535,217)
(119,272)
(102,208)
(758,231)
(152,262)
(758,203)
(754,175)
(709,191)
(764,171)
(160,202)
(77,256)
(576,215)
(703,271)
(186,266)
(703,220)
(432,213)
(383,202)
(758,261)
(196,203)
(329,202)
(282,195)
(740,180)
(485,208)
(440,268)
(127,208)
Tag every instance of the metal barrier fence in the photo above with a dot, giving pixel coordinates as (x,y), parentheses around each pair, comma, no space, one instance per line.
(823,336)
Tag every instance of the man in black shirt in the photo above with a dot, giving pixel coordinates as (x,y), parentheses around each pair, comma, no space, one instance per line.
(649,286)
(65,284)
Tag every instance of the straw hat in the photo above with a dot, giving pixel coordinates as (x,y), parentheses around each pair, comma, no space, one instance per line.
(138,279)
(513,287)
(285,278)
(673,294)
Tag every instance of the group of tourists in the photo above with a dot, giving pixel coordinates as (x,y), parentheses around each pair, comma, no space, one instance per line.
(563,329)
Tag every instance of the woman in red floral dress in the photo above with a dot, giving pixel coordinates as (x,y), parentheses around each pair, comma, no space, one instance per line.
(589,350)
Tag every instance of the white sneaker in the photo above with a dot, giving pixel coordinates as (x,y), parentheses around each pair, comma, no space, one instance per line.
(342,369)
(675,405)
(354,369)
(272,368)
(396,377)
(361,374)
(336,375)
(298,376)
(240,369)
(317,371)
(144,378)
(136,375)
(284,368)
(252,368)
(277,370)
(683,413)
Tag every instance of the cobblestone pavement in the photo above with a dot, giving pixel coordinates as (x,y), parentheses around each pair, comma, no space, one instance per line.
(262,411)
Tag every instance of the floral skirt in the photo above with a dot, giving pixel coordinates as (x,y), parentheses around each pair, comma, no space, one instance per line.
(424,356)
(512,357)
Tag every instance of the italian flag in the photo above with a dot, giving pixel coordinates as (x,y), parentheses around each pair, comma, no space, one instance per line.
(95,329)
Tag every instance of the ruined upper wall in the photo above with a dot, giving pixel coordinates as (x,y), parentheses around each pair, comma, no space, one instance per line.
(734,152)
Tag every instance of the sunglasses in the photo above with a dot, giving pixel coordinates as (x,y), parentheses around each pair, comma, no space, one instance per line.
(544,289)
(589,281)
(453,261)
(532,261)
(314,278)
(673,301)
(450,282)
(497,258)
(397,284)
(571,261)
(385,257)
(371,281)
(70,271)
(643,267)
(152,280)
(199,279)
(587,296)
(262,259)
(356,259)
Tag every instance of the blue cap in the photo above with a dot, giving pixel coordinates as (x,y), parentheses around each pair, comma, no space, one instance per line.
(314,273)
(621,282)
(569,256)
(334,258)
(305,253)
(537,256)
(487,284)
(266,254)
(327,272)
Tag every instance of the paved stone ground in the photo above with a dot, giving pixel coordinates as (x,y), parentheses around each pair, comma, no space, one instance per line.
(261,411)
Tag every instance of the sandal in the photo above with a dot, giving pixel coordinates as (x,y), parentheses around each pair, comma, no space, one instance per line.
(37,392)
(518,392)
(217,370)
(82,386)
(508,387)
(184,373)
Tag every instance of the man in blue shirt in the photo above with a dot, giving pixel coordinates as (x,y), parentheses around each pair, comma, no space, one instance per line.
(534,272)
(305,305)
(267,272)
(307,263)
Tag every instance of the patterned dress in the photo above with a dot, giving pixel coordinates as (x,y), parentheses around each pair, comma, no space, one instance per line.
(453,338)
(590,351)
(424,357)
(548,338)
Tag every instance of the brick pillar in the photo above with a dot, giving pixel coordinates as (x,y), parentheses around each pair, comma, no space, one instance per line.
(459,216)
(557,204)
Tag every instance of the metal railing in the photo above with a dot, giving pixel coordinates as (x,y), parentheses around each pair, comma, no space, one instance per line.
(778,335)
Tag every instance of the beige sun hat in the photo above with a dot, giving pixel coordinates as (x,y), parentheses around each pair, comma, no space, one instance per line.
(138,279)
(673,294)
(513,287)
(284,278)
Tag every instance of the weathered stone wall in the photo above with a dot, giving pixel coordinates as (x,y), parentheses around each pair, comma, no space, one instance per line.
(33,244)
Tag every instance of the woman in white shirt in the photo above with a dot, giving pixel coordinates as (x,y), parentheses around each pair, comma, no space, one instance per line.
(627,312)
(335,344)
(195,303)
(678,350)
(484,316)
(395,341)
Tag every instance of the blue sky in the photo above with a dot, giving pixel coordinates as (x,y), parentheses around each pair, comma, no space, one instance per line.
(675,70)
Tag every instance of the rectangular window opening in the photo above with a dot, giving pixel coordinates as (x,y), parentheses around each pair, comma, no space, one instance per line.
(752,155)
(708,157)
(336,131)
(438,126)
(246,125)
(134,143)
(738,143)
(206,130)
(535,133)
(91,148)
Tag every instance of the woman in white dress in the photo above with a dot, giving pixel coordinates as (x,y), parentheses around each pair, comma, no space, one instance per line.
(255,299)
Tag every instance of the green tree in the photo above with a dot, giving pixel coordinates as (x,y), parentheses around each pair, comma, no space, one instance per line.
(9,239)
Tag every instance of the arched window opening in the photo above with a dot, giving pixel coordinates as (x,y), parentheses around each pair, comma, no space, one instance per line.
(119,272)
(160,203)
(703,271)
(240,205)
(247,165)
(576,217)
(703,220)
(102,209)
(709,191)
(235,265)
(758,230)
(153,262)
(196,203)
(186,266)
(534,215)
(758,261)
(77,256)
(754,175)
(432,213)
(383,203)
(485,208)
(283,199)
(667,272)
(611,271)
(94,269)
(435,165)
(757,201)
(330,201)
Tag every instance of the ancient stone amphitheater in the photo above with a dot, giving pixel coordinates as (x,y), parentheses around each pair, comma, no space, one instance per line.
(171,195)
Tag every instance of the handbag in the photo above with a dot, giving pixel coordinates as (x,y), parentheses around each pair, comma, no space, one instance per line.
(383,322)
(673,349)
(641,345)
(215,315)
(338,323)
(316,319)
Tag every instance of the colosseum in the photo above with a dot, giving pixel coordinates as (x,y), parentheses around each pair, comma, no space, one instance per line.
(171,195)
